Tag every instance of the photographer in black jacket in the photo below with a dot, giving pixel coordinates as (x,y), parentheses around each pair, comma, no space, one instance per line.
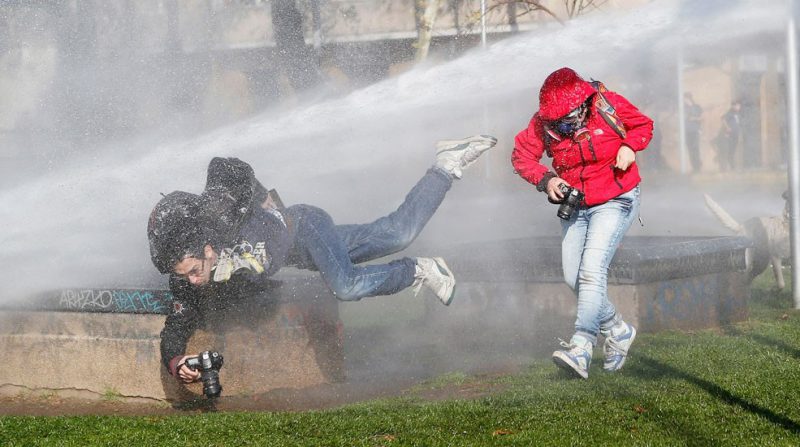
(224,243)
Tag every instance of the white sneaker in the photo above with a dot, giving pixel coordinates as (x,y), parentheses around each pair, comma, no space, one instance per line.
(434,273)
(454,156)
(576,358)
(615,349)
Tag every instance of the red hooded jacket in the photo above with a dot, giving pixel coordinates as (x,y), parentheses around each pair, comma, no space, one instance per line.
(585,162)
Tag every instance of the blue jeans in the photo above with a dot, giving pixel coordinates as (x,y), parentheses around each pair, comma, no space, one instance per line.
(589,240)
(335,250)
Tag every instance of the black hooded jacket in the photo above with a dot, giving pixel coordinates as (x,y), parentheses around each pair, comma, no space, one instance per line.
(235,210)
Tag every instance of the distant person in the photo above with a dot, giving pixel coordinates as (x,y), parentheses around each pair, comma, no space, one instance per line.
(694,115)
(235,235)
(593,136)
(731,133)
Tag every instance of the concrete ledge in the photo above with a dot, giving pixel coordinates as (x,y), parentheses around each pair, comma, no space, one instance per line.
(100,354)
(638,259)
(660,283)
(292,342)
(518,318)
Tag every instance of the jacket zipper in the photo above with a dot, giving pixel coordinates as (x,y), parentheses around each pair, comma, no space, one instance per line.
(614,176)
(583,166)
(591,149)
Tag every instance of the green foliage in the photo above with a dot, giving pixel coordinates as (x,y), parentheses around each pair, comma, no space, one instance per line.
(112,395)
(734,386)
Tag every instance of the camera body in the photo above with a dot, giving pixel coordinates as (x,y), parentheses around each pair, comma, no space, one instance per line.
(573,197)
(209,364)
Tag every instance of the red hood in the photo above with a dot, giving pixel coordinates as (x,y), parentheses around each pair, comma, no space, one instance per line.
(562,92)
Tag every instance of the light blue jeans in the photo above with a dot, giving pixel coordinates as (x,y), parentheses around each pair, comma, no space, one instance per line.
(589,240)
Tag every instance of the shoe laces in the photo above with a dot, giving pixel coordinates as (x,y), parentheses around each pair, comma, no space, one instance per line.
(570,346)
(574,348)
(421,276)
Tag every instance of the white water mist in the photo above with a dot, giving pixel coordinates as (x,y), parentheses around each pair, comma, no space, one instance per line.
(83,224)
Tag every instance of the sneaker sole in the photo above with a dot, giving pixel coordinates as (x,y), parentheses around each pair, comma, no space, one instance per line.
(445,270)
(619,367)
(568,365)
(457,145)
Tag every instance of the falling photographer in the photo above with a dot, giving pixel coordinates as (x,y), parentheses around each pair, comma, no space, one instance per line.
(230,239)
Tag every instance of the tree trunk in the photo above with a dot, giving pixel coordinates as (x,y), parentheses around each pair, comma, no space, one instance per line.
(298,60)
(425,30)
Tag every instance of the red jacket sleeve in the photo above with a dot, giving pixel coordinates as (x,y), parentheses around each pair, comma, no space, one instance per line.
(639,126)
(528,150)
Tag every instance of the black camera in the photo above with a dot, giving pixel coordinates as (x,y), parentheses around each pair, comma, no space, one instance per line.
(209,363)
(571,201)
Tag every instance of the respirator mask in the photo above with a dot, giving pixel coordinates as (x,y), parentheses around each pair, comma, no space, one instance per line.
(572,124)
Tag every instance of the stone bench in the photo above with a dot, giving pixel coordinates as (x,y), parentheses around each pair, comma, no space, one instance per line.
(516,287)
(105,342)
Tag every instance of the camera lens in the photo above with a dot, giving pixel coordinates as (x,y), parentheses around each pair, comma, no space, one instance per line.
(572,199)
(565,211)
(211,385)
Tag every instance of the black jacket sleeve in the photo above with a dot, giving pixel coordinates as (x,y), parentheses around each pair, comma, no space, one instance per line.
(181,322)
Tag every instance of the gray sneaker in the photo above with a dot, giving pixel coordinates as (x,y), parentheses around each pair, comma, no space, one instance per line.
(576,357)
(434,273)
(454,156)
(619,339)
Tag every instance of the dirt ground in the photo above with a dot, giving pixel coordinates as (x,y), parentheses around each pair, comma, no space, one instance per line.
(314,398)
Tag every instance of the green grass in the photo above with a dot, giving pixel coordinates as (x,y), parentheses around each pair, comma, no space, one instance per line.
(734,386)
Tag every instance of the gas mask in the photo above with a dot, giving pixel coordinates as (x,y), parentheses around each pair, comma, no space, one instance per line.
(573,123)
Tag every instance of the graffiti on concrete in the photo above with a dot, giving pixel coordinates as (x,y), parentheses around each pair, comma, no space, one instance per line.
(85,299)
(693,300)
(686,299)
(112,300)
(142,301)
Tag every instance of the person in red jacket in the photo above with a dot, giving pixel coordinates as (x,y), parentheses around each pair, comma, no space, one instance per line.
(593,136)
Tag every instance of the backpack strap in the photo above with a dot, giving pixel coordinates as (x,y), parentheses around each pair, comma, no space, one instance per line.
(606,110)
